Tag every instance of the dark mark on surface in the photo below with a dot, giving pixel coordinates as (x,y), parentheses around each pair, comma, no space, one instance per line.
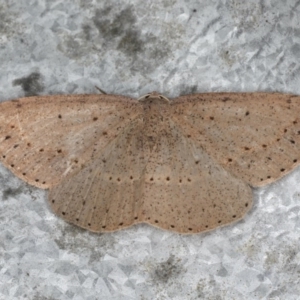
(167,270)
(87,31)
(32,85)
(186,90)
(121,27)
(78,240)
(11,192)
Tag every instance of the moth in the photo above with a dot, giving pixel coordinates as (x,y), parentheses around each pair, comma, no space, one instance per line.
(187,165)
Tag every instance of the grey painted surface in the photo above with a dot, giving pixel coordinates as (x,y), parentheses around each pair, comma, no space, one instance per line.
(131,48)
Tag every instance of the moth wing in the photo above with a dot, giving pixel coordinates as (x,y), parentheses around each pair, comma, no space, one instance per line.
(45,139)
(106,194)
(186,191)
(254,136)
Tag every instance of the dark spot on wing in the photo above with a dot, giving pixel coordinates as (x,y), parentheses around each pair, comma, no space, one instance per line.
(225,99)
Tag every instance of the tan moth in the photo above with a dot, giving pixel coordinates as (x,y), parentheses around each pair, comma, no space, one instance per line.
(185,165)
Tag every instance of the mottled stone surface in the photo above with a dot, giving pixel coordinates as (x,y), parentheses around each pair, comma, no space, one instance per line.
(132,48)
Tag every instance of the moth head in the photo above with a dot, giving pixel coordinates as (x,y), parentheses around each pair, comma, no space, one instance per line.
(154,96)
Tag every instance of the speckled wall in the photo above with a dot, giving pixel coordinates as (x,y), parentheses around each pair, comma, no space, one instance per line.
(132,48)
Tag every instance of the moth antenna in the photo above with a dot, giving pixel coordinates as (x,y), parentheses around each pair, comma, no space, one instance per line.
(101,91)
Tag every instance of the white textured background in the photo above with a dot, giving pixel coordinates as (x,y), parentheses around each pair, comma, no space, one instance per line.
(131,48)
